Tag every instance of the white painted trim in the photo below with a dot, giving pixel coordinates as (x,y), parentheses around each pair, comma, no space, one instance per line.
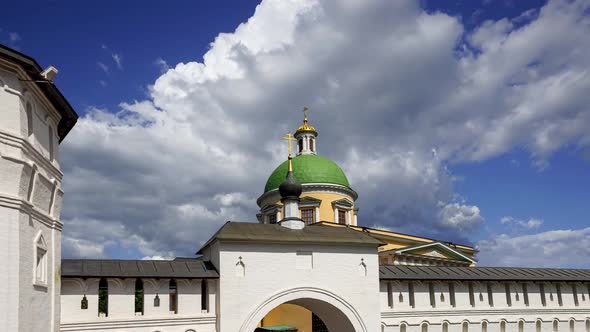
(304,292)
(25,146)
(435,244)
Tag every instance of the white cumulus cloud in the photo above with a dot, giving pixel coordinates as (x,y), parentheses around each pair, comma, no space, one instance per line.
(385,92)
(556,248)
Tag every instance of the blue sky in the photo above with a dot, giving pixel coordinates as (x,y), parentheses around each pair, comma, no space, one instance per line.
(117,65)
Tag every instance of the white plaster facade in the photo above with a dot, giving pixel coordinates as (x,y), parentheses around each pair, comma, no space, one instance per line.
(30,205)
(338,283)
(519,310)
(190,314)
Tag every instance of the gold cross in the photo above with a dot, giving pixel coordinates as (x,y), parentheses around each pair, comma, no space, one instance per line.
(305,109)
(289,138)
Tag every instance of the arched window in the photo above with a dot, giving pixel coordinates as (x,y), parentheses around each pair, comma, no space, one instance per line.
(445,327)
(29,114)
(103,298)
(503,326)
(555,326)
(588,325)
(484,326)
(520,326)
(139,296)
(300,145)
(572,324)
(40,261)
(51,154)
(465,326)
(173,301)
(424,327)
(402,327)
(311,145)
(538,325)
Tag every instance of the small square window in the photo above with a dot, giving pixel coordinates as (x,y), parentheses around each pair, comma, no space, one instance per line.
(272,219)
(342,217)
(308,215)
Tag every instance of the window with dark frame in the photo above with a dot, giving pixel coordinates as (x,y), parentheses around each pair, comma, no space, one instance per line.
(342,217)
(204,296)
(311,147)
(300,145)
(272,219)
(103,297)
(173,304)
(308,215)
(139,296)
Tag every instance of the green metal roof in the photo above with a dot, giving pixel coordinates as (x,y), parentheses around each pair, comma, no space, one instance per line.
(308,169)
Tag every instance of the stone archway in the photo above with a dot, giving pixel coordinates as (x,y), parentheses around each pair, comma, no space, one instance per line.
(334,311)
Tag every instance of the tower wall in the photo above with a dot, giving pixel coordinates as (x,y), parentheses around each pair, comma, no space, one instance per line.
(30,204)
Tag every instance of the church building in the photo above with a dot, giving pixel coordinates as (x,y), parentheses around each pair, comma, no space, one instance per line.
(304,264)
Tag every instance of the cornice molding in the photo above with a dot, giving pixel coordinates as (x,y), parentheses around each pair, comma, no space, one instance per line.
(433,312)
(310,188)
(28,208)
(139,322)
(25,146)
(17,70)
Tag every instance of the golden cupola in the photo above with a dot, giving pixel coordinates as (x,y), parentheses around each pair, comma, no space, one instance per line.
(305,136)
(306,127)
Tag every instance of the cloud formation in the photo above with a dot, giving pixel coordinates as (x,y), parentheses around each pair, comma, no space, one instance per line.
(518,224)
(557,248)
(396,96)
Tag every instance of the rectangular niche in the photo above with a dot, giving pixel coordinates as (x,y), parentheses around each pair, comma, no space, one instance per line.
(304,260)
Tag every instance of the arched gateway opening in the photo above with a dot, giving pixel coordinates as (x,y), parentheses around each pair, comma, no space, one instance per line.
(337,314)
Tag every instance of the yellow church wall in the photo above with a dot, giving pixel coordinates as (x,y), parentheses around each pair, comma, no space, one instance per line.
(289,314)
(394,240)
(326,209)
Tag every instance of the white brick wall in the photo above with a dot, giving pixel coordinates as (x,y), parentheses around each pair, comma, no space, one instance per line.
(23,215)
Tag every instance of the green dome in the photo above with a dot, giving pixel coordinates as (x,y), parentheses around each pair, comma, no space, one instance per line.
(308,169)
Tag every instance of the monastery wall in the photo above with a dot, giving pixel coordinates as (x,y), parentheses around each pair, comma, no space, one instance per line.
(121,315)
(415,306)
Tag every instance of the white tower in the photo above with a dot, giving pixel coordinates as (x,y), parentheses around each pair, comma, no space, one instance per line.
(34,118)
(306,135)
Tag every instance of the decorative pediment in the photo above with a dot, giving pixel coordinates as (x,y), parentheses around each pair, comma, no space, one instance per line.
(310,201)
(342,203)
(436,250)
(435,253)
(271,208)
